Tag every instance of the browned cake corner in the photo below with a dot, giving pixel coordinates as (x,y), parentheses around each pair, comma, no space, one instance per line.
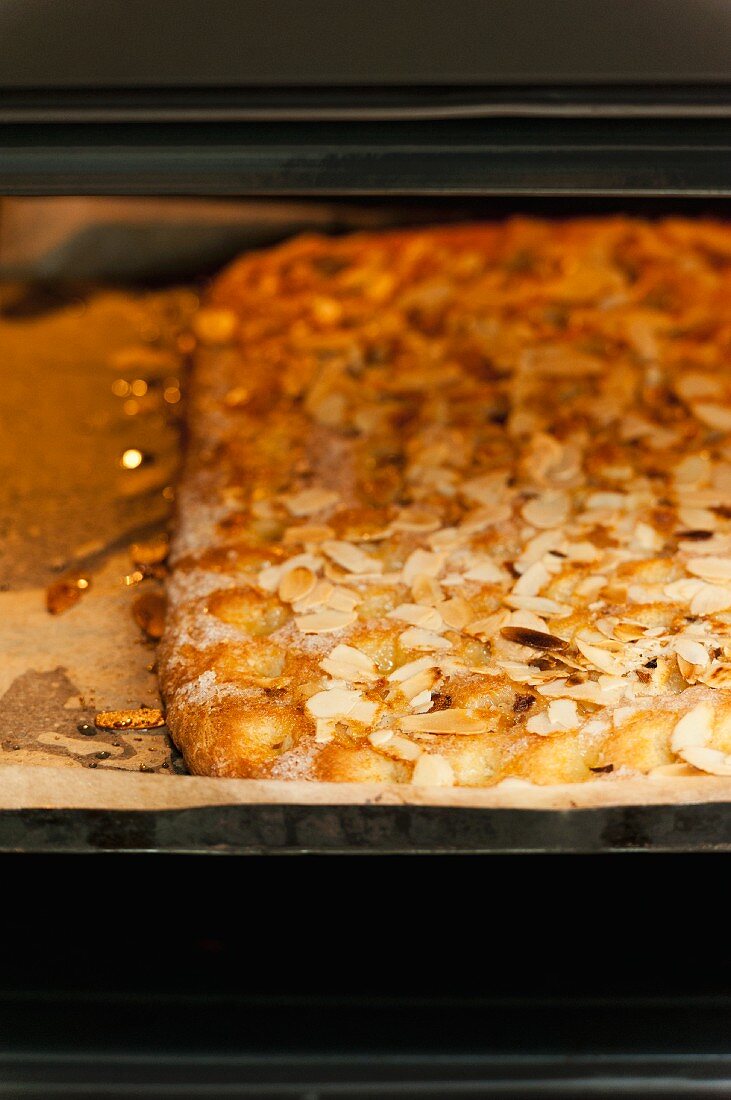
(457,508)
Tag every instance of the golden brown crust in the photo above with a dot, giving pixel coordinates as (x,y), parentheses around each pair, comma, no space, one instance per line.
(495,457)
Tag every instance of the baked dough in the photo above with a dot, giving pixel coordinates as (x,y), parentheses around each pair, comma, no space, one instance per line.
(457,508)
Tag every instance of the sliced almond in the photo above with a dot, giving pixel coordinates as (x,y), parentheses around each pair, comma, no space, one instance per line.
(296,584)
(415,685)
(709,599)
(350,557)
(457,612)
(345,662)
(418,638)
(536,639)
(309,501)
(551,509)
(416,519)
(563,713)
(486,572)
(600,658)
(697,519)
(426,590)
(412,668)
(318,596)
(342,599)
(690,650)
(708,760)
(710,568)
(380,737)
(540,605)
(401,748)
(455,720)
(532,581)
(325,622)
(334,703)
(713,415)
(307,532)
(422,562)
(433,770)
(417,615)
(694,729)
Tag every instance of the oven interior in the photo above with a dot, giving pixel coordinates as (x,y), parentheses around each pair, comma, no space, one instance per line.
(176,975)
(96,297)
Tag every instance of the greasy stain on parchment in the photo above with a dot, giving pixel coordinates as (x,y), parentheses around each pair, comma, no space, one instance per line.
(65,500)
(38,727)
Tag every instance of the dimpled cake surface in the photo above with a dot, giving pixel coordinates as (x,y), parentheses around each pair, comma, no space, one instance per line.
(457,508)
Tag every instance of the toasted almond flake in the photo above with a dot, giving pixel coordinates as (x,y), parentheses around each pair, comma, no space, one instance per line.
(710,568)
(486,572)
(401,748)
(528,620)
(425,590)
(364,711)
(646,537)
(693,470)
(350,557)
(482,518)
(486,489)
(709,599)
(421,703)
(537,546)
(606,691)
(457,612)
(416,685)
(422,562)
(309,501)
(325,622)
(412,668)
(342,599)
(334,703)
(676,770)
(380,737)
(600,658)
(418,638)
(433,770)
(697,519)
(583,552)
(455,720)
(532,581)
(541,605)
(324,730)
(708,760)
(541,725)
(691,651)
(713,415)
(296,584)
(317,597)
(417,615)
(269,577)
(551,509)
(692,384)
(348,663)
(536,639)
(684,590)
(694,729)
(563,713)
(447,539)
(305,533)
(416,519)
(646,593)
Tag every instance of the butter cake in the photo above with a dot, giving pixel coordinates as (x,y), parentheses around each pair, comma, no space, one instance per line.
(457,508)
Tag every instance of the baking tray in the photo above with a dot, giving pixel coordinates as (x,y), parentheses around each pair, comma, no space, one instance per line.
(66,504)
